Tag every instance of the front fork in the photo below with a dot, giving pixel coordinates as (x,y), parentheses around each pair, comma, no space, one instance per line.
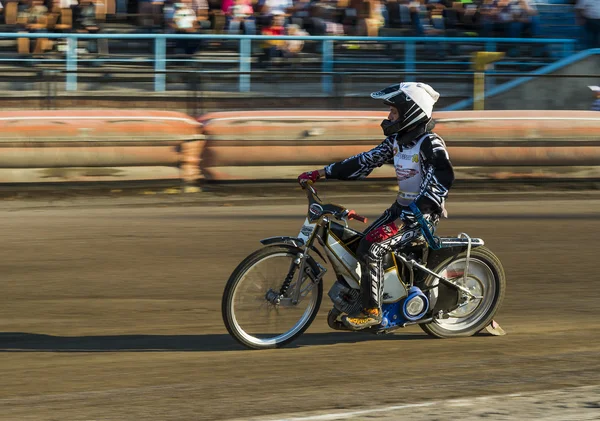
(300,267)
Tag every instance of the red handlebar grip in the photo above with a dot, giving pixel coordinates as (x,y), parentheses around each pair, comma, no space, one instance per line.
(354,215)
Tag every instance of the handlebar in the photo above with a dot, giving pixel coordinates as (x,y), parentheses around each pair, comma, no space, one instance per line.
(359,218)
(426,228)
(338,211)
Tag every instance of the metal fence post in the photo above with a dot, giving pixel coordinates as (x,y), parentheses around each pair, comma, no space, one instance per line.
(160,65)
(478,90)
(71,63)
(490,46)
(48,77)
(327,66)
(410,57)
(245,63)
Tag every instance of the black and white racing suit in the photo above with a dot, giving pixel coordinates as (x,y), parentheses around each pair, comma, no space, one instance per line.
(424,174)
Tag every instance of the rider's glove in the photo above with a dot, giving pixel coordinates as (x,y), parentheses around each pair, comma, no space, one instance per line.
(308,176)
(382,233)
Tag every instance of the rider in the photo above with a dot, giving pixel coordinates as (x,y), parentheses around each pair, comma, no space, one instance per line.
(424,174)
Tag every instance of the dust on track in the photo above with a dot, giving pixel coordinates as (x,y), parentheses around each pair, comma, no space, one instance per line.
(112,312)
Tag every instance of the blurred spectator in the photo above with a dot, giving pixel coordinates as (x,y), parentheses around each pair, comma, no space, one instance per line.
(273,48)
(149,12)
(438,20)
(363,18)
(431,18)
(300,13)
(282,7)
(200,9)
(322,21)
(294,47)
(33,17)
(434,24)
(281,48)
(184,19)
(226,5)
(181,19)
(500,17)
(451,11)
(588,13)
(349,16)
(376,17)
(528,15)
(404,14)
(329,16)
(596,104)
(240,14)
(65,4)
(85,22)
(470,19)
(315,23)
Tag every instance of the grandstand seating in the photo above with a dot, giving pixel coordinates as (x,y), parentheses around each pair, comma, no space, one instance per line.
(558,21)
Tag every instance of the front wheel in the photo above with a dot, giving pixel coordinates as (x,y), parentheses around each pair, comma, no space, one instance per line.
(485,279)
(255,312)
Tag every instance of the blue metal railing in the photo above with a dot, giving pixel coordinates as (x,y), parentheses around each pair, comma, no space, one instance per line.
(245,43)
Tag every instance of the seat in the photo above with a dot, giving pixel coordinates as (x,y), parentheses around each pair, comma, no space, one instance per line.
(110,7)
(41,44)
(23,45)
(10,13)
(219,21)
(66,20)
(100,9)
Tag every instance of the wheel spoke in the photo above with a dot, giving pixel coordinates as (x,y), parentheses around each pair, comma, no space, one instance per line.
(260,322)
(480,283)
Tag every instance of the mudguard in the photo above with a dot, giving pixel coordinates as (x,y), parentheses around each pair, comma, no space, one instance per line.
(450,247)
(294,241)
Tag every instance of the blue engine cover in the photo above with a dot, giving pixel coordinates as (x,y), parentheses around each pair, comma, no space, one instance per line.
(394,314)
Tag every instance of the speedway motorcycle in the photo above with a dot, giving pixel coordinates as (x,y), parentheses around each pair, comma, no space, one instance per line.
(450,287)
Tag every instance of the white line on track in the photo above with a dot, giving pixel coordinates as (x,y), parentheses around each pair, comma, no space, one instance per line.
(342,415)
(463,402)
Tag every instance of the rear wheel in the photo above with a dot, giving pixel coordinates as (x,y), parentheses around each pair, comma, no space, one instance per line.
(255,312)
(485,279)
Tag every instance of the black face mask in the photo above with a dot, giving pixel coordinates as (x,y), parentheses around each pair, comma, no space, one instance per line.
(390,127)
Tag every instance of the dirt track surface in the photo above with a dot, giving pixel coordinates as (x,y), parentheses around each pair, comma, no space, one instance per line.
(111,311)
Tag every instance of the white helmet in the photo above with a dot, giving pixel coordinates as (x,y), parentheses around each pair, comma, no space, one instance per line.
(414,102)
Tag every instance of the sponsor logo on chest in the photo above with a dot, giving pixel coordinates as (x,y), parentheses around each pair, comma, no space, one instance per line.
(405,173)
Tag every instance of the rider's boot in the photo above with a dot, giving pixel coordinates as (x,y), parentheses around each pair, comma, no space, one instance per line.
(369,317)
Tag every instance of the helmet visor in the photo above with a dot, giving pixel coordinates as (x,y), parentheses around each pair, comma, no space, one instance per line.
(386,93)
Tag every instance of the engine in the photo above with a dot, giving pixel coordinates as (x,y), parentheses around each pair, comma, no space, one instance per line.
(345,299)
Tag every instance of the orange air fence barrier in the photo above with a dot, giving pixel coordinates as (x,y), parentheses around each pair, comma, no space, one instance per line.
(125,145)
(98,145)
(256,145)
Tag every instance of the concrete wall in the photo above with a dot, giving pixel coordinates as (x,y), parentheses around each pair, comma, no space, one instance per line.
(552,93)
